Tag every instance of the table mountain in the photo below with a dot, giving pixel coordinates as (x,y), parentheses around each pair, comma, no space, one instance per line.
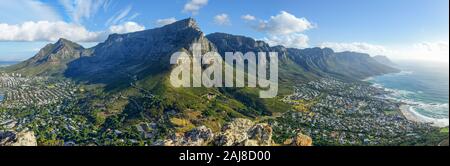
(136,55)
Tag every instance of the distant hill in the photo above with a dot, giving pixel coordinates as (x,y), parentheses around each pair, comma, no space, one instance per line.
(290,73)
(308,63)
(384,60)
(50,60)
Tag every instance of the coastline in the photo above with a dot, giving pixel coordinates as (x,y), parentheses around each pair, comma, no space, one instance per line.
(408,109)
(4,64)
(410,114)
(413,116)
(404,109)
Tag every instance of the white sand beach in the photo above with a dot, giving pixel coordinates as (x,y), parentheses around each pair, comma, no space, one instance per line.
(413,116)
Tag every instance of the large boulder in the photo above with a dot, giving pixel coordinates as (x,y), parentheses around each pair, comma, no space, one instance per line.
(199,136)
(299,140)
(244,132)
(10,138)
(239,132)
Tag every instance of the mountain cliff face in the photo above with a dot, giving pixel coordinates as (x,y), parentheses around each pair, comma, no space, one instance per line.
(344,65)
(138,54)
(51,60)
(359,65)
(384,60)
(232,43)
(290,73)
(300,64)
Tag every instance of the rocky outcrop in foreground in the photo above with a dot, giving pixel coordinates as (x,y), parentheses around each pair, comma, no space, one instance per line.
(299,140)
(243,132)
(239,132)
(10,138)
(200,136)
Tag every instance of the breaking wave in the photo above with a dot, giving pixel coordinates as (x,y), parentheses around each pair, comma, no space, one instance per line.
(434,113)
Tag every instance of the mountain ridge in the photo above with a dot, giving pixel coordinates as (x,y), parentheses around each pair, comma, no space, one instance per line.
(137,54)
(71,60)
(133,69)
(319,62)
(384,60)
(51,59)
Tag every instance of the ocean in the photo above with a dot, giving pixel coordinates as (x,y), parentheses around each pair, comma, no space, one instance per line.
(422,86)
(7,63)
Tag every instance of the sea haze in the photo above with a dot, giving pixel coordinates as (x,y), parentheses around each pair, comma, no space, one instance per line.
(424,86)
(8,63)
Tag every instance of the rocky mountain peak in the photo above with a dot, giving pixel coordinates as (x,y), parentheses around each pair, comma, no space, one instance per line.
(184,24)
(141,53)
(51,59)
(70,44)
(63,41)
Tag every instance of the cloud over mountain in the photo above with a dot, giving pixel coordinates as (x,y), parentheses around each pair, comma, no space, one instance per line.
(371,49)
(285,29)
(78,10)
(295,40)
(193,6)
(284,24)
(248,17)
(52,31)
(434,51)
(165,21)
(126,27)
(222,19)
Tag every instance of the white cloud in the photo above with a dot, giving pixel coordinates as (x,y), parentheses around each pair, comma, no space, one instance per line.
(361,47)
(284,24)
(52,31)
(45,31)
(18,11)
(284,29)
(126,28)
(165,21)
(119,16)
(222,19)
(248,17)
(79,10)
(193,6)
(132,17)
(439,46)
(106,5)
(293,41)
(429,51)
(435,51)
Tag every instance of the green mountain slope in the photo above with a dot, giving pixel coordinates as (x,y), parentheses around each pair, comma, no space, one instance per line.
(51,60)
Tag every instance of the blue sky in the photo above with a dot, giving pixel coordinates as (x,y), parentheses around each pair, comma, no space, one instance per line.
(397,28)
